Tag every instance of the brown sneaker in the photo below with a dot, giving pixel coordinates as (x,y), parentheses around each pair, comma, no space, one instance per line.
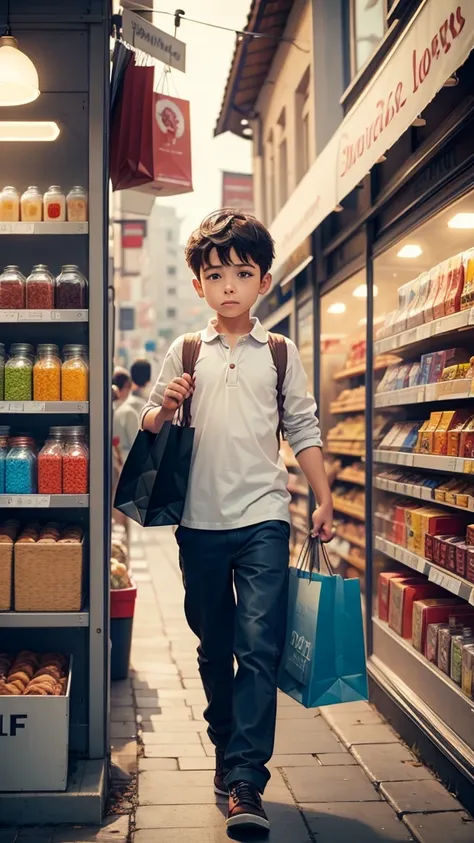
(220,786)
(245,808)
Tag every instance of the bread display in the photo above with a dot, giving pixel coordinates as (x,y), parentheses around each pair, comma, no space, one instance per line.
(33,674)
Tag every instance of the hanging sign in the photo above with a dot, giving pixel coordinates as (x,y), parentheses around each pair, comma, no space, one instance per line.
(435,43)
(237,191)
(153,41)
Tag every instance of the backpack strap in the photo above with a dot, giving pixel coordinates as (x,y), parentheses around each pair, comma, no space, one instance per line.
(191,349)
(279,351)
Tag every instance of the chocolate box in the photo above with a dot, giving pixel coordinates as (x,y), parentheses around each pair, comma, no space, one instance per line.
(385,579)
(470,564)
(430,611)
(455,285)
(461,559)
(467,298)
(449,420)
(427,438)
(428,310)
(439,304)
(402,596)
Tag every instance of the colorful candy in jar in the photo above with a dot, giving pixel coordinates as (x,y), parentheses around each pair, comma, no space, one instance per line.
(4,434)
(20,467)
(31,205)
(71,289)
(50,463)
(76,205)
(40,287)
(75,374)
(9,205)
(75,463)
(47,373)
(54,204)
(12,289)
(19,373)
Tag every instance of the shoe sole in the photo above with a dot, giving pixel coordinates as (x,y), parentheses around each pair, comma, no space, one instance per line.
(248,821)
(220,792)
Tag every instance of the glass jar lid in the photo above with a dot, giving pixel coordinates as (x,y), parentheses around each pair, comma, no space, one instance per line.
(80,350)
(10,189)
(33,188)
(48,348)
(57,432)
(21,440)
(22,348)
(55,188)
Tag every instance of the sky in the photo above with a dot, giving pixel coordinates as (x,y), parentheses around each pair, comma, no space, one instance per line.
(208,59)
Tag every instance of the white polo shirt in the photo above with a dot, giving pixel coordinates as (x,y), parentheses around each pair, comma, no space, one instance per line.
(238,477)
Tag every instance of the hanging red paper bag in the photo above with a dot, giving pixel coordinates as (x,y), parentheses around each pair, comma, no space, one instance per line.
(142,94)
(121,126)
(171,148)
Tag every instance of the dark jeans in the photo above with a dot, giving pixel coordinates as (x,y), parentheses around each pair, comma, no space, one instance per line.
(241,711)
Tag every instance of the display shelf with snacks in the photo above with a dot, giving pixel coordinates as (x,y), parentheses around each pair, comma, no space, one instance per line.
(343,533)
(54,411)
(343,505)
(353,474)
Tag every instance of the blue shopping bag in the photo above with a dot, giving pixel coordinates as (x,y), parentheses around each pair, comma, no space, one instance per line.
(324,659)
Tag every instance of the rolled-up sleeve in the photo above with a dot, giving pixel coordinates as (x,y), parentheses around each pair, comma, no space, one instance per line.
(172,368)
(300,422)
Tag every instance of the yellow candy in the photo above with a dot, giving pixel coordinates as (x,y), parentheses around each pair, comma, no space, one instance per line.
(74,380)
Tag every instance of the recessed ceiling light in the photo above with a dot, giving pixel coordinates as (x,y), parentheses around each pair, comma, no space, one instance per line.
(337,307)
(28,130)
(244,122)
(410,250)
(247,131)
(461,221)
(360,292)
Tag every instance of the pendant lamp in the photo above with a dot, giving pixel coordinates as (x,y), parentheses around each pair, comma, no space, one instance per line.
(19,82)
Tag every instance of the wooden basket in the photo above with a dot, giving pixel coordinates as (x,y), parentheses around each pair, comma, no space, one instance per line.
(48,577)
(6,559)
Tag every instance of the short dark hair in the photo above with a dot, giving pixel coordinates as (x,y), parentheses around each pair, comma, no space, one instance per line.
(120,378)
(229,229)
(141,372)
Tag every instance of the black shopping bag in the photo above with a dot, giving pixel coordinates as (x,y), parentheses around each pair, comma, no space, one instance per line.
(154,480)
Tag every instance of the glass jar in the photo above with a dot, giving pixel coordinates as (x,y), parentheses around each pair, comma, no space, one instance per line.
(2,371)
(75,374)
(19,373)
(40,286)
(32,205)
(75,463)
(12,289)
(4,434)
(71,289)
(50,463)
(76,205)
(20,467)
(9,205)
(47,373)
(54,204)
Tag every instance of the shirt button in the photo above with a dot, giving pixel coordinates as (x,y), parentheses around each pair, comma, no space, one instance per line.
(232,366)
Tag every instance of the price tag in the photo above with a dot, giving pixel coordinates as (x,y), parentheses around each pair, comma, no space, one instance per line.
(9,315)
(410,336)
(451,464)
(421,567)
(23,228)
(5,228)
(17,407)
(398,553)
(82,501)
(81,228)
(81,408)
(445,581)
(80,315)
(43,500)
(30,315)
(36,407)
(55,315)
(410,560)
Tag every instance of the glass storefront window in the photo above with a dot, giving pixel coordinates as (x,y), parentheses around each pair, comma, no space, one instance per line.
(368,27)
(423,458)
(342,414)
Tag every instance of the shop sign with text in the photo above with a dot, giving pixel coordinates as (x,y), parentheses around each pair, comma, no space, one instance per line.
(433,46)
(160,45)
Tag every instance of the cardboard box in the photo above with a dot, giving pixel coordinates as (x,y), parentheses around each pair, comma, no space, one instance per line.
(470,564)
(439,304)
(36,742)
(428,310)
(421,433)
(385,579)
(466,440)
(454,436)
(427,438)
(467,671)
(430,611)
(402,596)
(433,521)
(467,298)
(449,420)
(455,285)
(461,559)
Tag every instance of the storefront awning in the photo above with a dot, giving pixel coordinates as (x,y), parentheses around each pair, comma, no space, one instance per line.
(436,42)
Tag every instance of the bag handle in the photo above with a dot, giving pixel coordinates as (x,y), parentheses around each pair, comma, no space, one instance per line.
(190,354)
(309,558)
(279,351)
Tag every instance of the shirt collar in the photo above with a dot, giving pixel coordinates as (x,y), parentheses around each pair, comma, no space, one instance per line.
(258,332)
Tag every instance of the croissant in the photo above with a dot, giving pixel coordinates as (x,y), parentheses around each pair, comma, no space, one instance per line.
(18,684)
(50,670)
(21,676)
(13,690)
(36,691)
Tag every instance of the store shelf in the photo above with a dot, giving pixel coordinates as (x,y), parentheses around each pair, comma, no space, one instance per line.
(44,501)
(453,465)
(446,325)
(411,490)
(9,620)
(447,580)
(44,228)
(445,391)
(38,316)
(343,409)
(14,407)
(358,371)
(344,451)
(346,538)
(354,563)
(346,476)
(340,505)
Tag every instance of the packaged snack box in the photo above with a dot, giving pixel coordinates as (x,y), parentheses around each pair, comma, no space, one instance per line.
(455,285)
(454,435)
(387,384)
(385,579)
(400,523)
(413,520)
(426,364)
(467,298)
(448,552)
(432,638)
(451,496)
(443,488)
(427,438)
(439,305)
(402,596)
(402,376)
(414,374)
(411,438)
(449,420)
(443,359)
(444,646)
(437,523)
(390,436)
(428,310)
(466,440)
(470,564)
(432,610)
(461,558)
(470,534)
(458,643)
(403,431)
(421,433)
(465,496)
(416,313)
(437,544)
(467,670)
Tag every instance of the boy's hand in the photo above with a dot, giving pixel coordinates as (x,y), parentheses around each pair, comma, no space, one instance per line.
(176,393)
(322,523)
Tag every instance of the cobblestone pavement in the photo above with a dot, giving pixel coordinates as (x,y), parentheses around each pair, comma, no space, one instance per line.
(339,774)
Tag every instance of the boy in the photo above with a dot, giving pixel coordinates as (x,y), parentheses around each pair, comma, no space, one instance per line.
(235,527)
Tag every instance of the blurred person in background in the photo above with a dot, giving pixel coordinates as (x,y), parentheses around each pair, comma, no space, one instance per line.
(127,414)
(122,382)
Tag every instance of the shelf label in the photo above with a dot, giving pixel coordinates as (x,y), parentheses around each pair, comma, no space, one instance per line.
(17,228)
(30,315)
(16,407)
(445,581)
(451,463)
(440,326)
(35,407)
(28,501)
(8,315)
